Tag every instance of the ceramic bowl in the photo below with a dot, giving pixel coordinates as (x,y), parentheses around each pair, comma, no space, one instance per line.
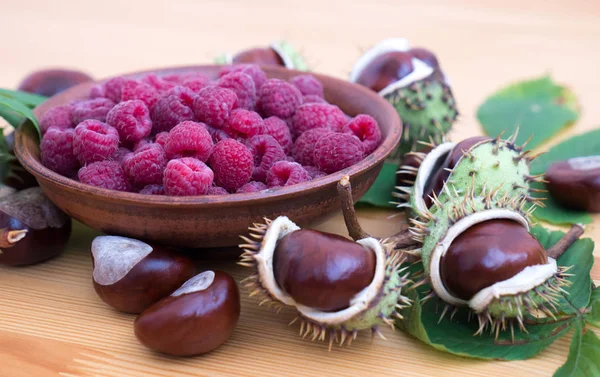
(216,220)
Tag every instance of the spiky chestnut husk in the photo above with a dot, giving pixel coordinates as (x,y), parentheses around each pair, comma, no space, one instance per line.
(377,303)
(495,163)
(290,57)
(423,99)
(531,291)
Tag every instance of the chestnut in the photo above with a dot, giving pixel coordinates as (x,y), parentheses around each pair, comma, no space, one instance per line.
(575,183)
(426,56)
(32,228)
(130,275)
(48,82)
(260,56)
(487,253)
(386,69)
(196,318)
(321,270)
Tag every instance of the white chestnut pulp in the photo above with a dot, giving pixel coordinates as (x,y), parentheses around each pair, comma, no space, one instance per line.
(115,256)
(425,171)
(198,283)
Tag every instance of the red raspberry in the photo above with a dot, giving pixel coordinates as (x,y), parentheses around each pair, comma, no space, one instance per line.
(366,129)
(137,90)
(186,177)
(91,109)
(266,151)
(56,150)
(279,98)
(59,116)
(216,190)
(317,115)
(252,186)
(217,134)
(307,85)
(140,143)
(153,190)
(179,78)
(158,83)
(161,138)
(105,174)
(290,159)
(94,141)
(120,155)
(232,163)
(243,86)
(243,124)
(285,173)
(174,107)
(97,91)
(146,165)
(314,172)
(305,145)
(213,105)
(258,75)
(280,132)
(196,83)
(313,98)
(131,119)
(336,151)
(189,139)
(113,88)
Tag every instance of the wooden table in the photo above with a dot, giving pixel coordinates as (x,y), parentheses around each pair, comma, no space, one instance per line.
(52,323)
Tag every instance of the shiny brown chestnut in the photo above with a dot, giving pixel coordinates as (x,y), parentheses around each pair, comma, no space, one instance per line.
(32,228)
(195,319)
(487,253)
(130,275)
(386,69)
(48,82)
(425,55)
(260,56)
(575,183)
(320,270)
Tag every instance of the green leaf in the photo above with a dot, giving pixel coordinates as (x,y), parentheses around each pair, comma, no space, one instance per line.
(11,106)
(538,107)
(380,193)
(593,315)
(584,356)
(30,100)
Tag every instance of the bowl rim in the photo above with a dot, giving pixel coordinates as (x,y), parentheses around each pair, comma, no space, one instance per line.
(385,148)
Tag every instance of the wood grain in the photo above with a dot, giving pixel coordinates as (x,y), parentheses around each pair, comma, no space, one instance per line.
(52,323)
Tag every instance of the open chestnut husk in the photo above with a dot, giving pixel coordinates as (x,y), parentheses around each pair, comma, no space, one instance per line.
(279,53)
(130,275)
(32,228)
(195,319)
(48,82)
(575,183)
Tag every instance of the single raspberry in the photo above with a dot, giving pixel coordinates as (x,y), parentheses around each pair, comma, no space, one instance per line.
(317,115)
(56,150)
(158,83)
(161,138)
(146,165)
(337,151)
(105,174)
(138,90)
(232,163)
(280,132)
(179,78)
(258,75)
(243,87)
(266,151)
(187,176)
(279,98)
(243,124)
(308,85)
(252,186)
(131,119)
(189,139)
(91,109)
(94,141)
(196,83)
(313,98)
(174,107)
(314,172)
(113,88)
(120,155)
(59,117)
(213,105)
(305,145)
(216,190)
(217,134)
(366,129)
(285,173)
(153,190)
(97,91)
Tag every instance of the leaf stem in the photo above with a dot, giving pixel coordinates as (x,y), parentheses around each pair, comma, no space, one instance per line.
(566,241)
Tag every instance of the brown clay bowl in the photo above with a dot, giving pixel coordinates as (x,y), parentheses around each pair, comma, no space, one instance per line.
(211,221)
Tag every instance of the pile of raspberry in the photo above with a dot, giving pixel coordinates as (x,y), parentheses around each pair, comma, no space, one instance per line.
(185,134)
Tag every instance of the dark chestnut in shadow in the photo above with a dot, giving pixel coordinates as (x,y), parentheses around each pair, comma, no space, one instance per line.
(386,69)
(260,56)
(575,183)
(48,82)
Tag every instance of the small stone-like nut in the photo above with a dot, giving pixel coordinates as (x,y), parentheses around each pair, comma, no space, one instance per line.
(130,275)
(422,97)
(279,53)
(337,286)
(48,82)
(195,319)
(32,228)
(575,183)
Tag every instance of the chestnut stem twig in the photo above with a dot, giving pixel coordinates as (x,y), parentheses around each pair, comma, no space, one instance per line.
(401,240)
(8,238)
(566,241)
